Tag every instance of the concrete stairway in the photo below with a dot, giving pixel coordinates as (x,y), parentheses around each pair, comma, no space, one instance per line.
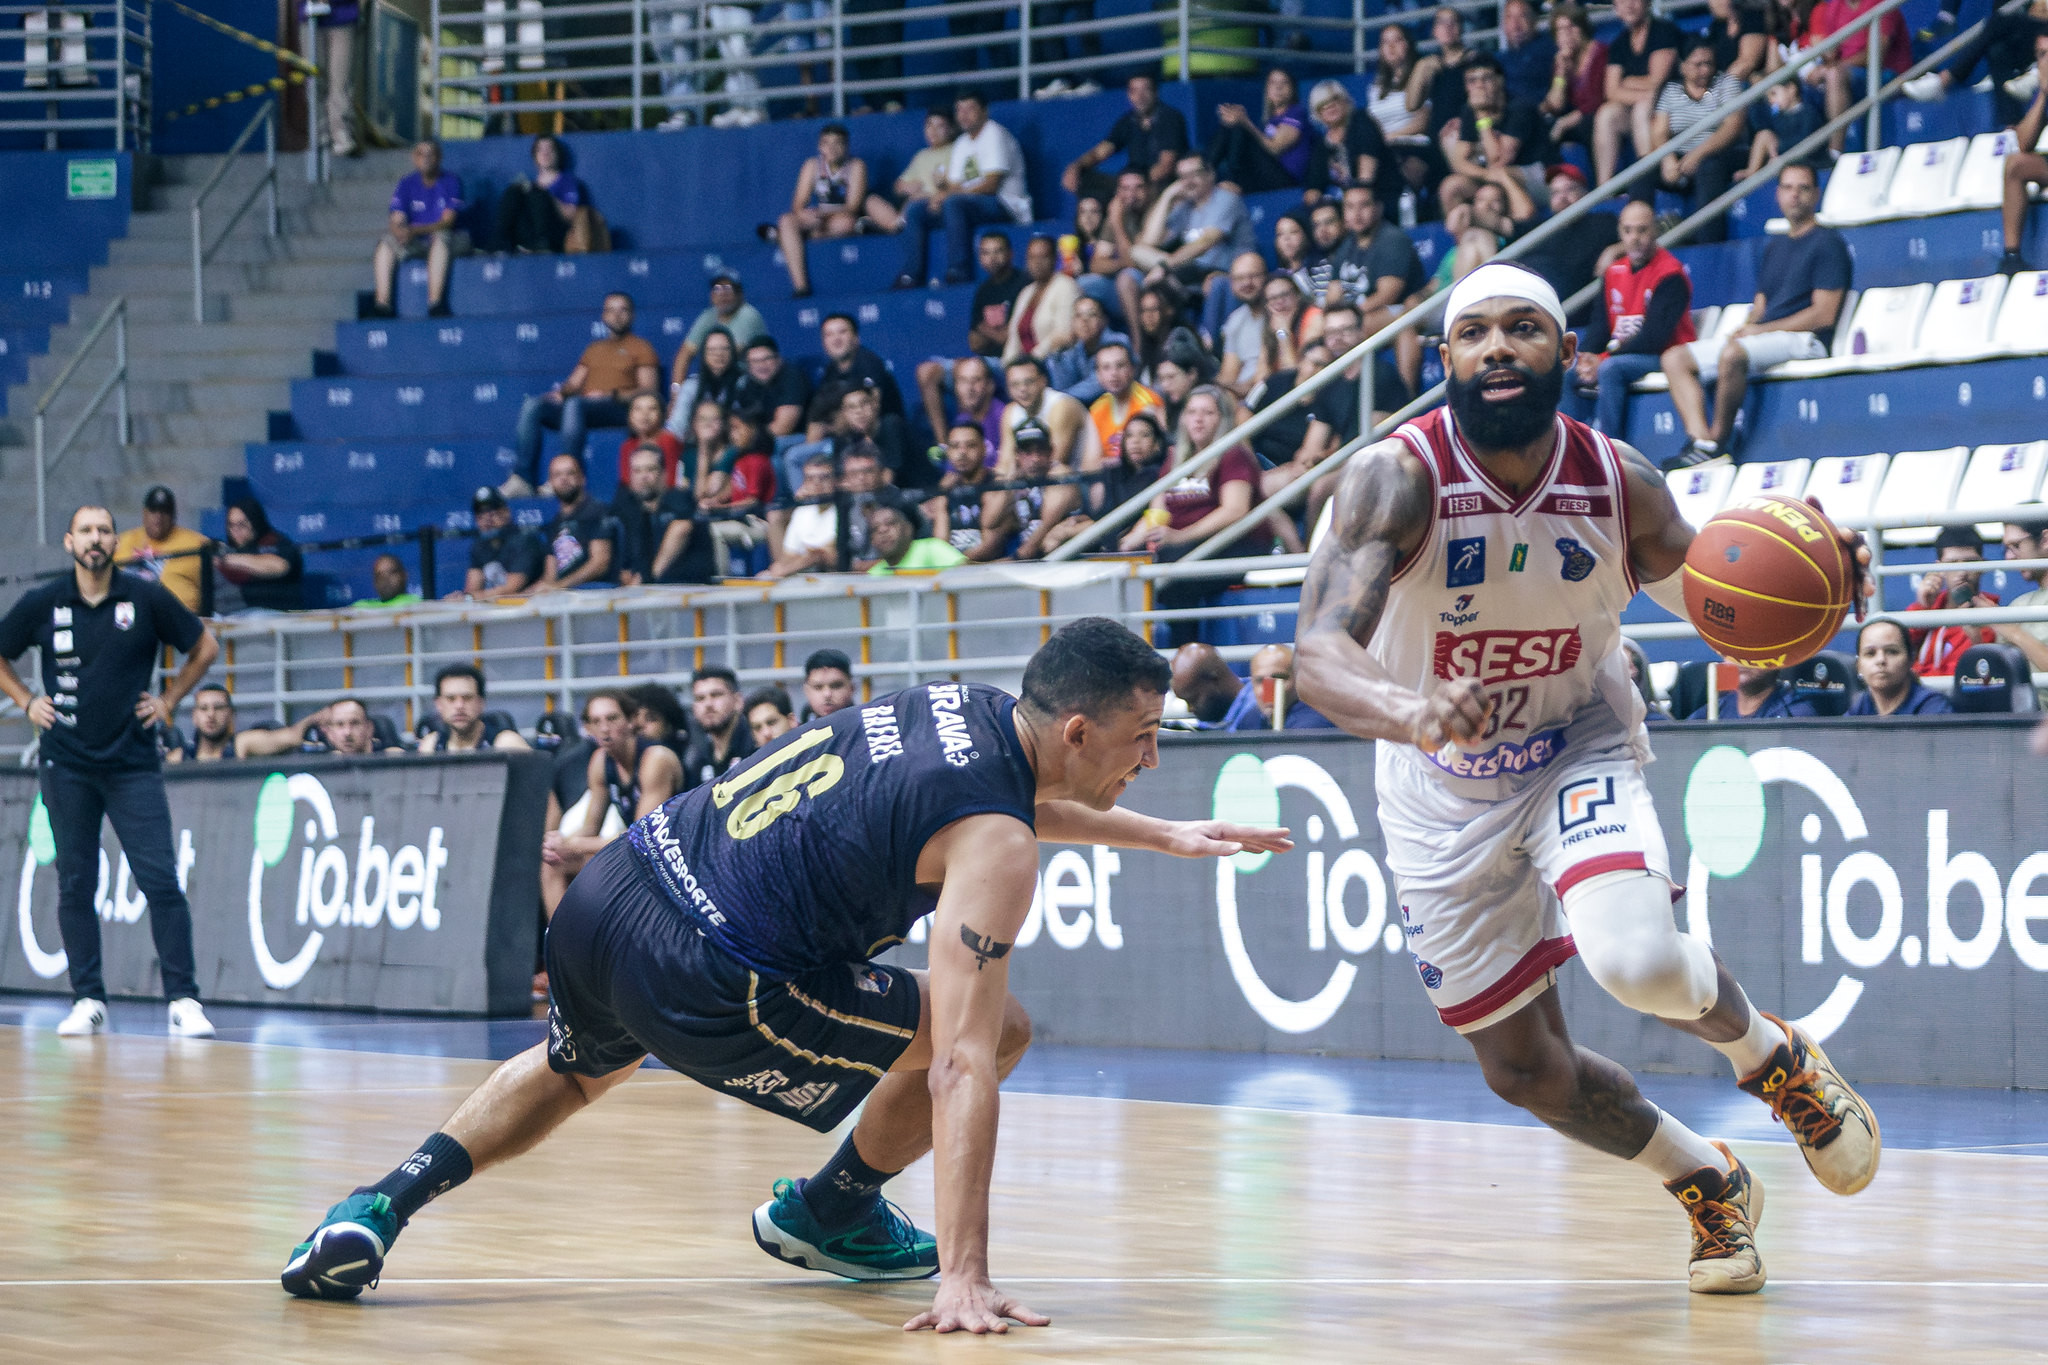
(197,391)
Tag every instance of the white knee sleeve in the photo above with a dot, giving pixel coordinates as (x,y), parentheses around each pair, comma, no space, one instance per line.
(1628,940)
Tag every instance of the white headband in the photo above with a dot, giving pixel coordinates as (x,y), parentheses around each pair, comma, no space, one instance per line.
(1503,280)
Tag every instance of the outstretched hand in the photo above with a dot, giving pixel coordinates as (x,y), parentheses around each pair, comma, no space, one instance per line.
(973,1305)
(1859,555)
(1220,839)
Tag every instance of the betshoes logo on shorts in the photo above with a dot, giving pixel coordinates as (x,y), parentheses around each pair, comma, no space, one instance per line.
(1969,908)
(1248,791)
(397,887)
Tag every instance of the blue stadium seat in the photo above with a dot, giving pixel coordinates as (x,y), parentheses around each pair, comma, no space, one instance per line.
(1827,682)
(1993,678)
(397,409)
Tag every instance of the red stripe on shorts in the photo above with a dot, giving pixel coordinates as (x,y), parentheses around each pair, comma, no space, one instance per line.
(1549,953)
(1593,867)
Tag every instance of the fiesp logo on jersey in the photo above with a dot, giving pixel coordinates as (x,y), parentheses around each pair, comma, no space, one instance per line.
(392,886)
(1248,792)
(117,900)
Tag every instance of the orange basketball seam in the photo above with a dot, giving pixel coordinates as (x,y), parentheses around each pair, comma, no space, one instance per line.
(1811,562)
(1765,597)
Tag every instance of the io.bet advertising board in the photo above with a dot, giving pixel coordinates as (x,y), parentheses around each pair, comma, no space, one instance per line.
(387,883)
(1885,883)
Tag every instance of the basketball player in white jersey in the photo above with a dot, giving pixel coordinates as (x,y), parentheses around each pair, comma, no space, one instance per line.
(1465,611)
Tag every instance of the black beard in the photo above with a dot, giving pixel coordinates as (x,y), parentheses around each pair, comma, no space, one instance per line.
(1510,425)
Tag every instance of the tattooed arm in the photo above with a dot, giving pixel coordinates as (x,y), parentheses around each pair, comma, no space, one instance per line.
(1381,518)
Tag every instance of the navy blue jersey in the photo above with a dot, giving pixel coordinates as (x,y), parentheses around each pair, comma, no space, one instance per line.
(806,855)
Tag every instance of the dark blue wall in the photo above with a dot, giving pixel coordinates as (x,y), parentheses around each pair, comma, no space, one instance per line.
(195,63)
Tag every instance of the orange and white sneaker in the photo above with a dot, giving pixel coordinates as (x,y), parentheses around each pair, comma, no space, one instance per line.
(1725,1206)
(1836,1130)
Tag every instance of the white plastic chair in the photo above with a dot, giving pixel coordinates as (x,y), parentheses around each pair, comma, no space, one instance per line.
(1856,190)
(1700,492)
(1919,482)
(2001,476)
(2023,316)
(1925,181)
(1960,318)
(1784,478)
(1846,485)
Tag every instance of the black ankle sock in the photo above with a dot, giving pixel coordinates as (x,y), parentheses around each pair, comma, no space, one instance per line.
(437,1167)
(843,1186)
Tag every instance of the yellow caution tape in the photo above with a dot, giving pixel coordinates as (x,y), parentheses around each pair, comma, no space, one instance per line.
(283,54)
(247,92)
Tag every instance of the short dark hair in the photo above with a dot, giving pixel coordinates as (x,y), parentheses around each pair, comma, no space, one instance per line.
(828,658)
(846,318)
(1699,44)
(839,128)
(1808,167)
(1959,538)
(863,449)
(771,695)
(1091,667)
(662,702)
(1905,640)
(715,673)
(971,95)
(1484,61)
(764,342)
(1202,157)
(214,687)
(903,504)
(96,507)
(469,671)
(1123,346)
(1028,362)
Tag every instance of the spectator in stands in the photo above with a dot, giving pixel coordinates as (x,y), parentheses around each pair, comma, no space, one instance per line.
(1272,678)
(1760,694)
(626,776)
(1884,660)
(1158,316)
(504,560)
(1017,523)
(1491,133)
(1935,651)
(831,190)
(828,682)
(161,550)
(729,309)
(582,540)
(1648,310)
(862,478)
(1578,78)
(659,717)
(974,399)
(551,212)
(769,715)
(596,393)
(1121,399)
(1280,440)
(424,210)
(464,724)
(1780,123)
(213,728)
(1042,321)
(860,419)
(774,388)
(1736,30)
(1528,56)
(2008,45)
(965,486)
(1577,255)
(1333,418)
(1289,323)
(743,474)
(1377,270)
(2025,169)
(2028,540)
(1800,282)
(717,375)
(1269,152)
(388,583)
(1072,371)
(810,542)
(1183,365)
(1140,459)
(1198,507)
(1294,250)
(1482,225)
(644,428)
(1639,60)
(1387,98)
(1113,276)
(847,361)
(1845,72)
(1707,168)
(901,538)
(1065,419)
(988,326)
(697,462)
(923,177)
(1151,135)
(721,742)
(347,728)
(659,538)
(1440,77)
(1243,332)
(1350,149)
(984,184)
(257,568)
(1195,228)
(1204,683)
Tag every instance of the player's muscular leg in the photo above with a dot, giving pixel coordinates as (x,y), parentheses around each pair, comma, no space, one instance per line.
(1630,943)
(895,1128)
(523,1101)
(1531,1062)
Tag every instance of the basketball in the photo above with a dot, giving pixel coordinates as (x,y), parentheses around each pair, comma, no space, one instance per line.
(1767,582)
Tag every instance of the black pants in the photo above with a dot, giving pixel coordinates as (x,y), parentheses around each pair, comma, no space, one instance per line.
(133,799)
(1239,157)
(529,220)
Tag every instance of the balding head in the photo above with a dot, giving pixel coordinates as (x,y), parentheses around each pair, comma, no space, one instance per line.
(1637,229)
(1204,682)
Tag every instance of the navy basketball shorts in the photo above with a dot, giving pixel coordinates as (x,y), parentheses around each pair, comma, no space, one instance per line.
(629,975)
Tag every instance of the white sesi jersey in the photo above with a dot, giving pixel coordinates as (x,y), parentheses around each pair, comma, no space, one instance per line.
(1525,594)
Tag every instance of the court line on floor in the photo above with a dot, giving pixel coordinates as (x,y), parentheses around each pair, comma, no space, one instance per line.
(1316,1282)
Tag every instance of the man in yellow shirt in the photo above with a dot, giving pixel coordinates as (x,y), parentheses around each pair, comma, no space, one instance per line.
(147,550)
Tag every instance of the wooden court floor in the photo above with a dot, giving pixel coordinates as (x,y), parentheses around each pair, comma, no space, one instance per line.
(156,1185)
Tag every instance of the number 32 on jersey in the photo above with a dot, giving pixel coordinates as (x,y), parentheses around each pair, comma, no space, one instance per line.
(781,796)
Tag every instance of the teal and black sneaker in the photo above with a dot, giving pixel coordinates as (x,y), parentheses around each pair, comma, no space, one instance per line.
(885,1245)
(345,1254)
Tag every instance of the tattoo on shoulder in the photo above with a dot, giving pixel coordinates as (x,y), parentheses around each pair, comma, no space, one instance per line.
(1382,512)
(984,947)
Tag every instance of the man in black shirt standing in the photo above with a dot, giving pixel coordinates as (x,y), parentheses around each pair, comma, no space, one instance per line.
(582,542)
(99,631)
(1152,136)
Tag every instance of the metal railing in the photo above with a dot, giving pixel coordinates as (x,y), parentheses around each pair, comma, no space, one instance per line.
(87,65)
(1429,308)
(115,316)
(266,118)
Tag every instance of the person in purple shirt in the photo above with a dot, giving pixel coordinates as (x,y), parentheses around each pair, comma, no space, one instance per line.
(551,212)
(1890,687)
(1271,154)
(424,208)
(1760,694)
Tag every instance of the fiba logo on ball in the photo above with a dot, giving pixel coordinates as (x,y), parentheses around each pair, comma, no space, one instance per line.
(1767,581)
(384,886)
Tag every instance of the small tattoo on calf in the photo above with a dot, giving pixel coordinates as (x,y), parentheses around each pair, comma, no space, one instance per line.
(984,947)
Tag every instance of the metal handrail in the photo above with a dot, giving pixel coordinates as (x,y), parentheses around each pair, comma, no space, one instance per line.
(1422,312)
(266,118)
(116,316)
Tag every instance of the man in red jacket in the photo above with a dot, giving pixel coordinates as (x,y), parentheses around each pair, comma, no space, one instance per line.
(1935,651)
(1649,309)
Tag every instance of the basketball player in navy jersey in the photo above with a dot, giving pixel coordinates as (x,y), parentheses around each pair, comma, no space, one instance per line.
(1466,611)
(732,933)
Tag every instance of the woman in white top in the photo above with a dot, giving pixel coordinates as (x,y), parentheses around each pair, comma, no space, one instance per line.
(1708,167)
(1388,98)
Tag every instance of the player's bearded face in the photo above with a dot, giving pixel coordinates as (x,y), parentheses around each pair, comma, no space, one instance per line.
(1506,404)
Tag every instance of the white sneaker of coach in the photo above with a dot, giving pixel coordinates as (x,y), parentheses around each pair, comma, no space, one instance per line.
(86,1017)
(188,1020)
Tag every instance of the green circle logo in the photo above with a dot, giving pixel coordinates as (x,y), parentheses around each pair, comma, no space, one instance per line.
(1724,811)
(273,819)
(41,841)
(1246,796)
